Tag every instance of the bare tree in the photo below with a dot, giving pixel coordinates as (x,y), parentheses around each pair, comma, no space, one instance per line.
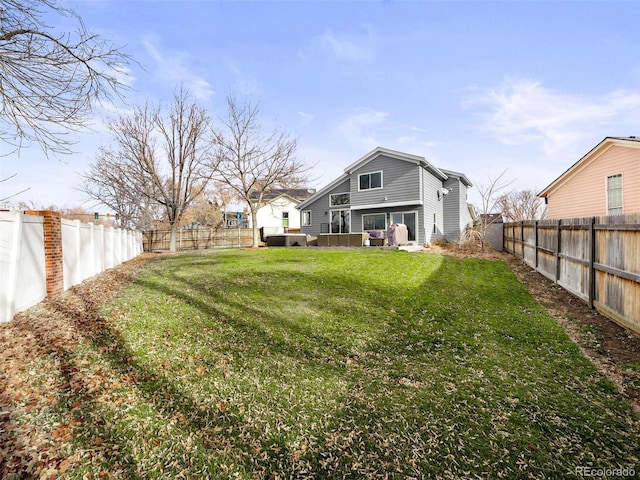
(110,182)
(489,210)
(3,200)
(49,80)
(205,211)
(521,205)
(251,162)
(164,160)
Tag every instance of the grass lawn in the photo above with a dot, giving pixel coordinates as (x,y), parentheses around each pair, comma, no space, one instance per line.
(307,363)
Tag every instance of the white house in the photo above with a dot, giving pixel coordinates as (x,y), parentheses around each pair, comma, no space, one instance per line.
(278,213)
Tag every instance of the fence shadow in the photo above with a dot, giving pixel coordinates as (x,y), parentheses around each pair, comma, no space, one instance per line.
(594,258)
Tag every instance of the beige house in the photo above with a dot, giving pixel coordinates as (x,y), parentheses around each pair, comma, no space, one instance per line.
(606,181)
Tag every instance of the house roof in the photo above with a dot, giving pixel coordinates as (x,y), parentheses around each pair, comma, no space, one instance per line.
(594,153)
(372,155)
(463,178)
(407,157)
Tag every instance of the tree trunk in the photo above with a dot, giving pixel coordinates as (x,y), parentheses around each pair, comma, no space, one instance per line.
(256,236)
(254,226)
(174,237)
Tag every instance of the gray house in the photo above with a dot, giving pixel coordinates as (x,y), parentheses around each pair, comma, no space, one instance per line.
(386,187)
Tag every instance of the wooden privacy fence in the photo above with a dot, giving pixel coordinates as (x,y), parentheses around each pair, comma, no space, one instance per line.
(198,239)
(595,258)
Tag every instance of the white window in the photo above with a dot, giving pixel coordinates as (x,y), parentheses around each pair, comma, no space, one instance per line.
(614,194)
(338,199)
(306,218)
(369,181)
(285,219)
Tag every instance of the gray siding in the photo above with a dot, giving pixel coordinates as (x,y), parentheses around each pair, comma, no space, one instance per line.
(407,186)
(320,210)
(357,224)
(430,186)
(399,182)
(466,220)
(451,211)
(456,211)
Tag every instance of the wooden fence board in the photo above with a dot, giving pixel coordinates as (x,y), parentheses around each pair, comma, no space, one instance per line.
(197,239)
(595,258)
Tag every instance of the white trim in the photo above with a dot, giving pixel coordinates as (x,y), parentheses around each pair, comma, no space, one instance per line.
(339,210)
(340,193)
(323,191)
(416,226)
(361,162)
(387,205)
(407,157)
(376,152)
(373,214)
(588,158)
(606,180)
(371,188)
(302,224)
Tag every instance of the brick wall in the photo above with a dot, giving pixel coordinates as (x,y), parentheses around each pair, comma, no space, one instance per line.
(52,227)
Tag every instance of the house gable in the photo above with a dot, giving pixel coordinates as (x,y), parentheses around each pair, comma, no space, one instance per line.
(400,183)
(317,207)
(395,186)
(381,158)
(385,152)
(582,189)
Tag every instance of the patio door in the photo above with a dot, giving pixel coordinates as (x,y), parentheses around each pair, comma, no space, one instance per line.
(409,219)
(340,221)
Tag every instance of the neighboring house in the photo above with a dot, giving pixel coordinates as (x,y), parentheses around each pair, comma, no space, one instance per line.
(386,187)
(606,181)
(278,213)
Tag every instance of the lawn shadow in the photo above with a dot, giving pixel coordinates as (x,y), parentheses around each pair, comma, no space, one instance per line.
(376,427)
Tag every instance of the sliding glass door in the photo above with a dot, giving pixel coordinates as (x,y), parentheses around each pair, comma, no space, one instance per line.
(410,219)
(340,221)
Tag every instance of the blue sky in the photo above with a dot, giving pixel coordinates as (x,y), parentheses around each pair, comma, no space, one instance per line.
(476,87)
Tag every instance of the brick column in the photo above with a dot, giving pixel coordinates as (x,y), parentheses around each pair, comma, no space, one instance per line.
(52,227)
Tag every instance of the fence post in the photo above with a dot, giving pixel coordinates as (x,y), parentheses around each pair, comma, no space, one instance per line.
(12,271)
(53,254)
(535,243)
(558,246)
(592,257)
(504,247)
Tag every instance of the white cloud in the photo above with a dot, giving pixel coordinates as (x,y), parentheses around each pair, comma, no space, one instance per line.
(305,117)
(173,67)
(524,111)
(370,128)
(360,129)
(344,47)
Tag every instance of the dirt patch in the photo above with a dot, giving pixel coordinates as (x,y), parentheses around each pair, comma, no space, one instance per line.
(614,350)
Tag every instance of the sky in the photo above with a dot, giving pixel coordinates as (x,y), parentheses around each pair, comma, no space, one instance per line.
(476,87)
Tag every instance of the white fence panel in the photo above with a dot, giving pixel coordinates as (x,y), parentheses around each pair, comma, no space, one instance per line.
(87,250)
(109,259)
(23,277)
(71,253)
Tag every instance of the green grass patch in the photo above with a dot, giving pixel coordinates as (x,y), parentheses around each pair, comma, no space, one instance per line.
(304,363)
